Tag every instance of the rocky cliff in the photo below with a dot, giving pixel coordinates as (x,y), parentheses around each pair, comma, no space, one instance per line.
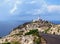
(28,33)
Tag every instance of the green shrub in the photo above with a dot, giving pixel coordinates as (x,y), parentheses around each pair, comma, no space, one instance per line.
(37,41)
(34,32)
(6,43)
(47,30)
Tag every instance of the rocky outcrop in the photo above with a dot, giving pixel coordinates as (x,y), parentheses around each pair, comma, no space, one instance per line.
(28,33)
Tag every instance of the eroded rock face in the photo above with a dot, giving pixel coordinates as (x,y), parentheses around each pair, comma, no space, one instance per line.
(42,26)
(28,37)
(27,33)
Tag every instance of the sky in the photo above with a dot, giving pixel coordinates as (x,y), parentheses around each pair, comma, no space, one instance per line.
(11,10)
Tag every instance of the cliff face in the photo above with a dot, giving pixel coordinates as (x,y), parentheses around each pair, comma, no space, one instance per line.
(28,33)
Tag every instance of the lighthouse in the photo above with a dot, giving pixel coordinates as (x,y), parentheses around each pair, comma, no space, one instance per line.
(38,18)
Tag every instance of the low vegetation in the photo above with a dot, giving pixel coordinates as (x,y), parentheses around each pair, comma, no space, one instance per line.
(6,43)
(46,30)
(14,42)
(35,33)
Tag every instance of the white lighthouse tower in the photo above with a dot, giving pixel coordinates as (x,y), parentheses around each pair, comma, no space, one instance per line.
(38,18)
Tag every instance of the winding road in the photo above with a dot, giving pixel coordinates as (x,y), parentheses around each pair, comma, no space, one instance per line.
(51,39)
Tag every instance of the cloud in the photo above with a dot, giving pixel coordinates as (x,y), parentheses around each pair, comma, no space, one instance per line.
(7,1)
(45,9)
(35,12)
(53,8)
(13,9)
(18,2)
(33,7)
(15,6)
(42,7)
(31,2)
(30,7)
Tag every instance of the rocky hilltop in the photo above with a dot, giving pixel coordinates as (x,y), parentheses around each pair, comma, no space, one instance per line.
(28,33)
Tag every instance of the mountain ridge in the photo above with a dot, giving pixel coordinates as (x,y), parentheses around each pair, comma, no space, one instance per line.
(30,27)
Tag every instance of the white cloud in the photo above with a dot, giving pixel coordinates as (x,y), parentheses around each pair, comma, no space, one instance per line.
(14,3)
(45,8)
(42,8)
(34,12)
(7,1)
(31,2)
(15,6)
(13,9)
(37,11)
(42,4)
(19,2)
(53,8)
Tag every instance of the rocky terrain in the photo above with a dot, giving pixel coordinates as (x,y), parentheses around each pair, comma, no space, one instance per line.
(28,33)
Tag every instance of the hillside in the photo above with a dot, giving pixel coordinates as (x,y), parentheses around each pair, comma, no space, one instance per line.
(28,33)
